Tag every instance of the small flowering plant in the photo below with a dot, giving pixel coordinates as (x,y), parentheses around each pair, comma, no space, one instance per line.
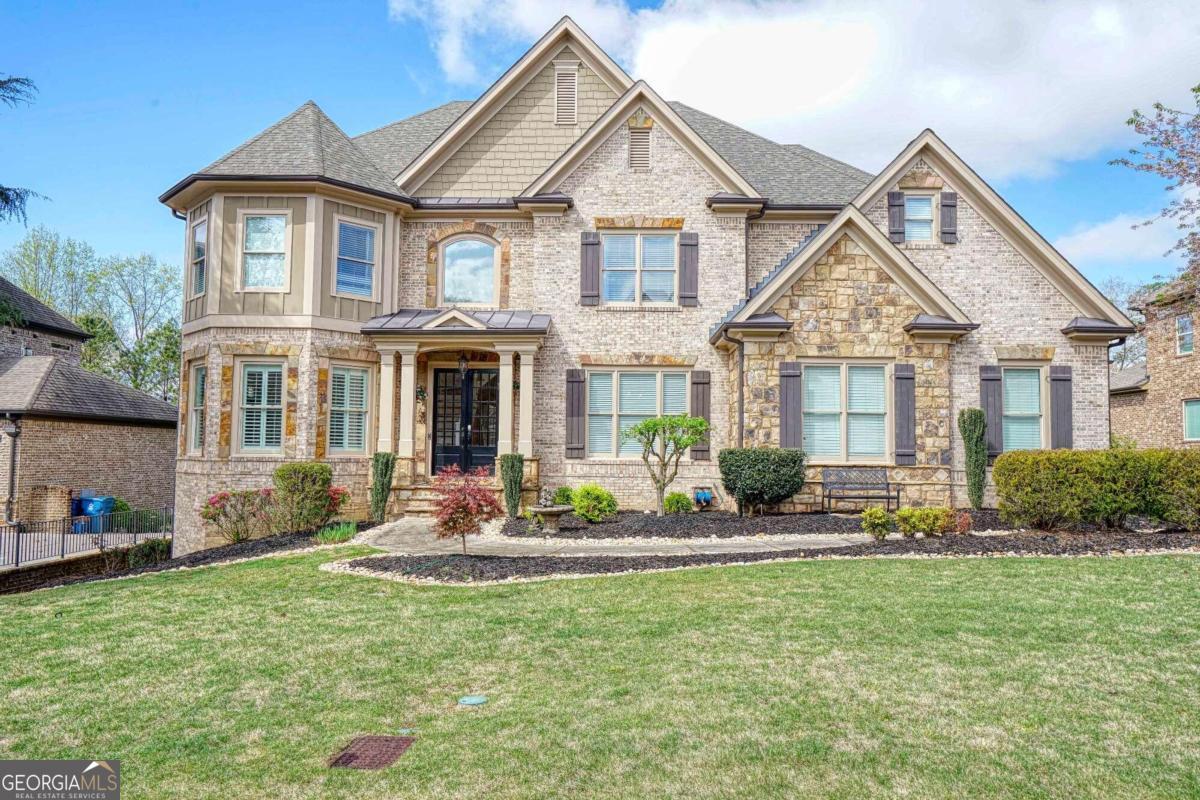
(240,515)
(464,502)
(338,495)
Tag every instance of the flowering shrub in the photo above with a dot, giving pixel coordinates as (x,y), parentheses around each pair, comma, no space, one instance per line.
(338,495)
(242,515)
(464,502)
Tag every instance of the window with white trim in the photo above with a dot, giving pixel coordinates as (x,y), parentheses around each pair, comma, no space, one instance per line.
(566,94)
(260,408)
(619,399)
(199,257)
(199,391)
(264,251)
(639,268)
(918,218)
(470,272)
(1191,420)
(1022,408)
(349,388)
(1183,335)
(639,149)
(845,411)
(355,260)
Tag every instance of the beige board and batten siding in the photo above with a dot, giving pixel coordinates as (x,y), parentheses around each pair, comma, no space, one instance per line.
(522,139)
(235,301)
(343,306)
(193,305)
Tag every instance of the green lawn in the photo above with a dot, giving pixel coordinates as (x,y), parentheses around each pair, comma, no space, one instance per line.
(1063,678)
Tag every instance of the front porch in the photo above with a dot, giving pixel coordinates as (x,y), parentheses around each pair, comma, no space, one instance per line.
(464,395)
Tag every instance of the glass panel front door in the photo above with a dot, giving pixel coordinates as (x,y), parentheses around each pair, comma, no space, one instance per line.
(466,418)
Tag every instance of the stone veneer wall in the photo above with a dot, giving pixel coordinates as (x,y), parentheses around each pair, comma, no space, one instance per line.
(1154,418)
(1019,312)
(307,353)
(847,307)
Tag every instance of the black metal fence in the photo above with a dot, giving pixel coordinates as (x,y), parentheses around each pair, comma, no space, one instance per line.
(23,543)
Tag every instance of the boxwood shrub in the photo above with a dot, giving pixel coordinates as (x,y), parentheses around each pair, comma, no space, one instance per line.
(761,476)
(593,502)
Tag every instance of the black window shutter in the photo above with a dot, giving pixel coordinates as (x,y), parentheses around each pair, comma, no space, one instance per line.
(701,407)
(576,429)
(949,218)
(904,391)
(589,268)
(791,431)
(896,216)
(689,269)
(991,400)
(1061,435)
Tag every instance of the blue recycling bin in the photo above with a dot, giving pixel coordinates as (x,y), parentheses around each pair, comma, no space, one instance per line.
(96,508)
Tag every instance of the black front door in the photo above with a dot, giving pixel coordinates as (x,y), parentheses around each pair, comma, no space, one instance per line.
(466,416)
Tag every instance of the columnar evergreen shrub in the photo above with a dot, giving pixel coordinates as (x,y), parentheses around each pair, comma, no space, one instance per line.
(759,476)
(512,470)
(383,465)
(677,503)
(593,503)
(972,424)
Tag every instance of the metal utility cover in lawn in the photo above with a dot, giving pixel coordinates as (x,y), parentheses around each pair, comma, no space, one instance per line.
(372,752)
(472,700)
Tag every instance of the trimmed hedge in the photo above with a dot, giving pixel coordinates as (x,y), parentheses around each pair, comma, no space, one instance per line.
(593,502)
(759,476)
(1050,489)
(302,495)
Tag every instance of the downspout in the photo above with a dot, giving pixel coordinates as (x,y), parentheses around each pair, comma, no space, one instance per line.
(178,216)
(741,373)
(13,430)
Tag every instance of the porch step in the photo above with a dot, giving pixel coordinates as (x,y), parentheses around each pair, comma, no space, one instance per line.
(420,501)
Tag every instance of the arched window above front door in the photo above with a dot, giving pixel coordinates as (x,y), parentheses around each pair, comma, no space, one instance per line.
(470,272)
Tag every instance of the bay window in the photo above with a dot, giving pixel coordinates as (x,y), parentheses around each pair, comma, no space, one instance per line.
(199,390)
(348,390)
(845,412)
(356,258)
(199,257)
(264,251)
(618,400)
(260,408)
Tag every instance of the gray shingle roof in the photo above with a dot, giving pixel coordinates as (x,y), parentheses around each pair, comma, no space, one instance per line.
(50,386)
(36,314)
(783,173)
(393,147)
(414,319)
(305,142)
(1131,378)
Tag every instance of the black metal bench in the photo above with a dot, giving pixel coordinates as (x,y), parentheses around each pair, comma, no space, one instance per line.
(857,483)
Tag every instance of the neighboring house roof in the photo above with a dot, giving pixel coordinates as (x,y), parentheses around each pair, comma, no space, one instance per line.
(393,147)
(36,314)
(785,174)
(53,387)
(1183,287)
(457,320)
(1128,380)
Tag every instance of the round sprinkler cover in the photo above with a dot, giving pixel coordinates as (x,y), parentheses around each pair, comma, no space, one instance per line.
(472,700)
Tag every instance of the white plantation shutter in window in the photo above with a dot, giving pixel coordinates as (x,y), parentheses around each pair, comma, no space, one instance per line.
(348,409)
(639,148)
(600,408)
(565,92)
(201,381)
(262,406)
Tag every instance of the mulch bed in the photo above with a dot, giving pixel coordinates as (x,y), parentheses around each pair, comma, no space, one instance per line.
(469,568)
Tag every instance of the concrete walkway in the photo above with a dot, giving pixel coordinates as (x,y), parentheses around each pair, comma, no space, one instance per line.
(415,536)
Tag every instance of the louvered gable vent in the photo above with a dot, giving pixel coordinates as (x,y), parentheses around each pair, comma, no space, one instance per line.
(566,84)
(639,149)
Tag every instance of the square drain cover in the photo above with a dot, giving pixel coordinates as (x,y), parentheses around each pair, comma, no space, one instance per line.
(372,752)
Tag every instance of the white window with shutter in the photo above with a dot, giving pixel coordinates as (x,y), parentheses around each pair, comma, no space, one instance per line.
(349,389)
(260,408)
(357,258)
(639,149)
(264,254)
(617,400)
(918,218)
(566,92)
(199,391)
(639,268)
(845,408)
(1024,392)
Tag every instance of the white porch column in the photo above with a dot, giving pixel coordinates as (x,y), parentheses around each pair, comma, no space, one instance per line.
(505,438)
(525,446)
(408,399)
(387,390)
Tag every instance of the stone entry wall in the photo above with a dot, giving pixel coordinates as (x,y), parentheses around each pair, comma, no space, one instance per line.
(847,307)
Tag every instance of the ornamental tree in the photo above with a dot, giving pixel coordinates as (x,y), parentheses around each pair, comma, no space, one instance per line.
(663,441)
(464,502)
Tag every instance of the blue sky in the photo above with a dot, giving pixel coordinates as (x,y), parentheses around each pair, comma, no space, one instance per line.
(134,96)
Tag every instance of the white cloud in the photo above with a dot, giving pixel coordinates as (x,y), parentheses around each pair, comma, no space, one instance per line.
(1015,88)
(1116,240)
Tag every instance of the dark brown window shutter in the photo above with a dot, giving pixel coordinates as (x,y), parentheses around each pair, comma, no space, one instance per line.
(904,391)
(701,407)
(576,428)
(589,268)
(791,429)
(689,269)
(1061,435)
(896,216)
(991,400)
(949,218)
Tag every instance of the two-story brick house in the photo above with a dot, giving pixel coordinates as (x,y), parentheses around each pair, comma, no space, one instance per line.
(1157,404)
(539,269)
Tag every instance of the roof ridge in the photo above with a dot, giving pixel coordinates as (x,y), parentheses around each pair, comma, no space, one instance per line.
(37,390)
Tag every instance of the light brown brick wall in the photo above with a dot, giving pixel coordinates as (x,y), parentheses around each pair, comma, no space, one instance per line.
(1154,418)
(13,342)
